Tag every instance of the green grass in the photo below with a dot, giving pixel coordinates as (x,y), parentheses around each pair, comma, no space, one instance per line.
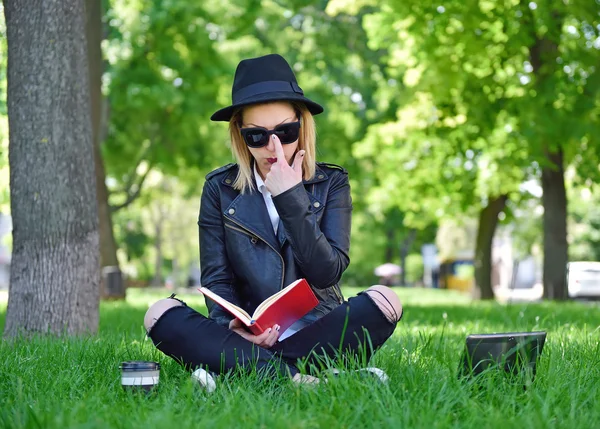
(68,383)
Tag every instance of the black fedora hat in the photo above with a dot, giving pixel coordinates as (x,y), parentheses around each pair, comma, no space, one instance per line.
(263,79)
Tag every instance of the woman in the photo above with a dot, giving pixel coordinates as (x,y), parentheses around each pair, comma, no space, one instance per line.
(274,217)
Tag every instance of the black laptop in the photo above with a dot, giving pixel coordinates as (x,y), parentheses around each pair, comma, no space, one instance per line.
(514,352)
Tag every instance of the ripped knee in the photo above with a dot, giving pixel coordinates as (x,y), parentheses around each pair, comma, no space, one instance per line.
(157,309)
(387,301)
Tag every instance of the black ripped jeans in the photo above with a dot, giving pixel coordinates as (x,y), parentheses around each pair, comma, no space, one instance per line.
(355,328)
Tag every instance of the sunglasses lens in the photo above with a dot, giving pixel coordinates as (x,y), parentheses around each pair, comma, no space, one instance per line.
(255,138)
(288,133)
(259,137)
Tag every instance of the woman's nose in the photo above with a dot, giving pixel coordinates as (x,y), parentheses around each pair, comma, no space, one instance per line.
(270,145)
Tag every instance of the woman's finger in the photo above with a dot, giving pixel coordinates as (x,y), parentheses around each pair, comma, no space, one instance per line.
(274,335)
(266,339)
(271,338)
(262,338)
(278,150)
(297,165)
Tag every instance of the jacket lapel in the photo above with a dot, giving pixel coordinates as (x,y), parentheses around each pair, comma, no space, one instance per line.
(250,212)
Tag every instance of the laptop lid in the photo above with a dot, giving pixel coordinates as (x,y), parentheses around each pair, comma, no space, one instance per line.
(514,352)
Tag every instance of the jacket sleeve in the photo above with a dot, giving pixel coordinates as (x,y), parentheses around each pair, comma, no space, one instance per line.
(320,251)
(216,272)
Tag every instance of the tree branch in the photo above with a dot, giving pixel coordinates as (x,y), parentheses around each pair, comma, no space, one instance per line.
(132,176)
(132,196)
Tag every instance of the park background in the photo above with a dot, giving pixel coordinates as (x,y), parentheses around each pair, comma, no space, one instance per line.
(471,125)
(454,121)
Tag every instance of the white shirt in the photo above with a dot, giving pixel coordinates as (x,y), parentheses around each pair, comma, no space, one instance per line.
(268,200)
(275,222)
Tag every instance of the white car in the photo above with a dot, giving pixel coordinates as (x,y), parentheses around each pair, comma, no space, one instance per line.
(583,279)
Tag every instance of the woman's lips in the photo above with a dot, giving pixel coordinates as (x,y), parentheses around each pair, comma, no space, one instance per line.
(271,160)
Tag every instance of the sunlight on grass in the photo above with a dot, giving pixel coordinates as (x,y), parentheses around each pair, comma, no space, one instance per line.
(408,296)
(75,382)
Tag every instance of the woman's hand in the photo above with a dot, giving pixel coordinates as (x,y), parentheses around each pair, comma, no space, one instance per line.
(264,340)
(282,177)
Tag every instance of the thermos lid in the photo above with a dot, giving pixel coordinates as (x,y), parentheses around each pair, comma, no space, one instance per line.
(140,365)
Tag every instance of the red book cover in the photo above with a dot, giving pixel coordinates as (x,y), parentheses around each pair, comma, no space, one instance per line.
(284,308)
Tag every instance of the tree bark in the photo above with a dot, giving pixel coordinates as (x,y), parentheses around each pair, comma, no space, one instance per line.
(554,199)
(108,245)
(543,55)
(488,221)
(54,278)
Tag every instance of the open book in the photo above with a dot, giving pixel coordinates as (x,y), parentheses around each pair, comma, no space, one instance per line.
(283,309)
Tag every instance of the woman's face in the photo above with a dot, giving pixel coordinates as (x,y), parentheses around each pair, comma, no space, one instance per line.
(269,116)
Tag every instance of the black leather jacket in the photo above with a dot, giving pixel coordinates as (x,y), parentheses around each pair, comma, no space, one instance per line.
(243,260)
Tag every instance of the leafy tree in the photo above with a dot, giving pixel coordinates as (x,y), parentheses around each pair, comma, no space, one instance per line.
(337,67)
(156,53)
(531,66)
(584,223)
(149,78)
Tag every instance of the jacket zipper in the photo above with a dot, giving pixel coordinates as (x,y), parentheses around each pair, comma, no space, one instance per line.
(253,238)
(248,232)
(338,294)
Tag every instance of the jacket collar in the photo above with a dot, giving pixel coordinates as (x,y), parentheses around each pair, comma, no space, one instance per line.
(249,209)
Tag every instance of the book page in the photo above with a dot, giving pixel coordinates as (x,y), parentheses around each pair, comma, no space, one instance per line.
(232,308)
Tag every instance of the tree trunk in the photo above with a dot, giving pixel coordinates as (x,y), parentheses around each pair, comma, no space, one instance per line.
(55,269)
(108,248)
(555,227)
(543,55)
(488,221)
(404,250)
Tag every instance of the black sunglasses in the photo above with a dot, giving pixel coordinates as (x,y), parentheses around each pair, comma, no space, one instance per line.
(259,136)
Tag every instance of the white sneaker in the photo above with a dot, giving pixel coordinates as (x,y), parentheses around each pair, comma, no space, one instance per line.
(205,380)
(376,373)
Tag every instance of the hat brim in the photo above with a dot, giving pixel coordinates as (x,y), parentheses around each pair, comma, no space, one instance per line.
(226,113)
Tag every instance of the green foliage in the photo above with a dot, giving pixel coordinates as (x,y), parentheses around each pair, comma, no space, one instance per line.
(584,225)
(489,89)
(131,236)
(414,268)
(526,229)
(155,123)
(433,108)
(162,84)
(421,359)
(165,214)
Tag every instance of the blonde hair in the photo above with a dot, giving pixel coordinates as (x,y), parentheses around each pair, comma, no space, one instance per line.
(306,141)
